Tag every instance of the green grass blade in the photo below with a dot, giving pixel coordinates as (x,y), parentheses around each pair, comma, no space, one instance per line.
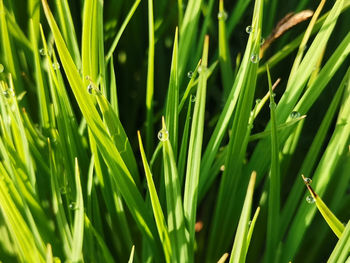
(273,219)
(150,80)
(195,146)
(239,249)
(121,30)
(78,228)
(171,110)
(124,182)
(224,53)
(225,216)
(157,209)
(333,222)
(176,220)
(342,249)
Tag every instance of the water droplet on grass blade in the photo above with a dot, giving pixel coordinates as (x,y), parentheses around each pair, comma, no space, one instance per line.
(249,29)
(310,199)
(42,51)
(295,115)
(189,74)
(72,206)
(56,66)
(254,58)
(90,89)
(307,180)
(222,15)
(193,98)
(163,135)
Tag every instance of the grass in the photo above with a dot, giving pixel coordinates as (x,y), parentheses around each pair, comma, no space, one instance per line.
(84,84)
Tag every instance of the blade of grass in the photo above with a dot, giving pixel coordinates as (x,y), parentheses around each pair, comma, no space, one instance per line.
(171,110)
(333,222)
(273,218)
(341,250)
(121,30)
(124,182)
(239,249)
(176,220)
(195,147)
(157,209)
(224,53)
(150,81)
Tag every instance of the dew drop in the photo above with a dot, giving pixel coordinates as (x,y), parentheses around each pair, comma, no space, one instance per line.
(189,74)
(222,15)
(72,206)
(257,101)
(249,29)
(272,105)
(294,114)
(56,66)
(90,89)
(250,222)
(163,135)
(193,98)
(42,51)
(6,94)
(2,68)
(310,199)
(254,58)
(307,180)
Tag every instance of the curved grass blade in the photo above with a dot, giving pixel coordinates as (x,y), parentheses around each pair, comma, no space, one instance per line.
(333,222)
(123,178)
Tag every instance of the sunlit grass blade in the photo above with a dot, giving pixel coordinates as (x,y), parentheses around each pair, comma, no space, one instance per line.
(68,30)
(333,222)
(150,80)
(293,91)
(176,220)
(124,182)
(273,217)
(310,160)
(171,109)
(195,147)
(78,228)
(239,249)
(342,249)
(217,136)
(225,215)
(326,167)
(157,209)
(224,53)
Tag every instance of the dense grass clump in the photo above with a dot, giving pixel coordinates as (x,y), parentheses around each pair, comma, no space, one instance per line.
(174,131)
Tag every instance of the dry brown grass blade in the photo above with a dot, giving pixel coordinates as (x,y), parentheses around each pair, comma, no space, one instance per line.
(286,23)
